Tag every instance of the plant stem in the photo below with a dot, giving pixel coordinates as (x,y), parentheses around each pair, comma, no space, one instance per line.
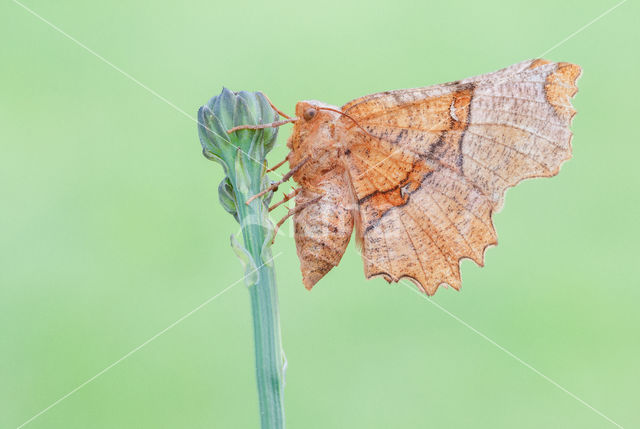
(268,351)
(242,154)
(269,357)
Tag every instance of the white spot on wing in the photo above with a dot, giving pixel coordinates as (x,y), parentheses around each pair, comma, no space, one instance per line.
(452,112)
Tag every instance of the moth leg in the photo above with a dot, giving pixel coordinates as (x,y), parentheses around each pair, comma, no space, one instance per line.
(262,126)
(286,198)
(278,165)
(293,211)
(280,222)
(274,186)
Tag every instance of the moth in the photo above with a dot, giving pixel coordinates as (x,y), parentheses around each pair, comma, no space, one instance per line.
(419,172)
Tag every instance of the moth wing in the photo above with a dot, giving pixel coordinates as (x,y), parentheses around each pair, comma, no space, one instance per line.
(429,166)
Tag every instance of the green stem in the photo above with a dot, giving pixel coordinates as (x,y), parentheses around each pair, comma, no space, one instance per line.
(269,357)
(242,155)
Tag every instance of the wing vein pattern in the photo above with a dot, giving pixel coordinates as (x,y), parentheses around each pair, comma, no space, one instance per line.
(435,163)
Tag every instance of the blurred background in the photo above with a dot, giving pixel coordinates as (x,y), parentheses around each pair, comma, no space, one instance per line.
(111,230)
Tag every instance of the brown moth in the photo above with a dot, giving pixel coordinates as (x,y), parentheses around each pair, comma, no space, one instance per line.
(419,172)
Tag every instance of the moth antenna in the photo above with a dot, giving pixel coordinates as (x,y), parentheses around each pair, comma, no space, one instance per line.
(262,126)
(280,112)
(344,114)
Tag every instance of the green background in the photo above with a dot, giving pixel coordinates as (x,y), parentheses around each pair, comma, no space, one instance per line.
(110,228)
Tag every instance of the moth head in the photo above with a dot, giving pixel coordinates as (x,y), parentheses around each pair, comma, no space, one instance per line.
(314,129)
(316,111)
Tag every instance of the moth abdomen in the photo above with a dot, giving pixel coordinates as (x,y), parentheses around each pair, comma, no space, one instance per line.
(322,229)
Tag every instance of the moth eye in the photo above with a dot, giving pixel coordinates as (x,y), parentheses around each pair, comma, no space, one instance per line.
(309,114)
